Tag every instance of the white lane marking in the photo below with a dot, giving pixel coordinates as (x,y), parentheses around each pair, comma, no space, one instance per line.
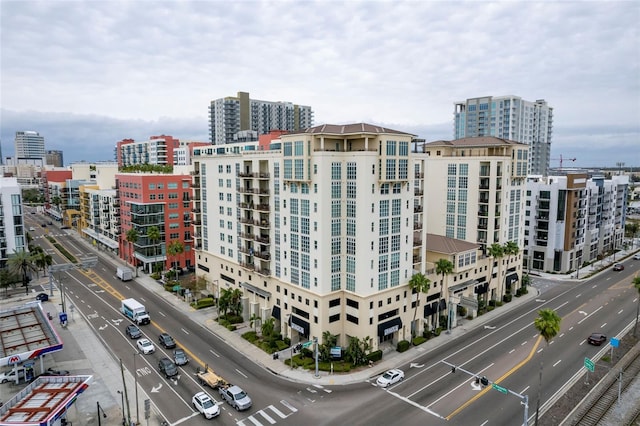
(289,406)
(161,314)
(559,361)
(619,312)
(457,387)
(602,326)
(570,328)
(539,350)
(578,295)
(524,390)
(415,404)
(558,308)
(562,334)
(241,373)
(595,286)
(214,353)
(512,351)
(184,331)
(484,423)
(523,343)
(580,322)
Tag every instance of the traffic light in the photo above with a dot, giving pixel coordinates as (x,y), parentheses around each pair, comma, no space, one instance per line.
(484,381)
(453,368)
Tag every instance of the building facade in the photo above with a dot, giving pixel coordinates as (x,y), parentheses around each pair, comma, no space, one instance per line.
(12,230)
(54,158)
(511,118)
(572,220)
(29,144)
(323,231)
(230,116)
(162,202)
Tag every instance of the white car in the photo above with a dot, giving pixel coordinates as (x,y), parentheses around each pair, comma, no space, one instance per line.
(636,256)
(10,376)
(145,346)
(390,377)
(205,405)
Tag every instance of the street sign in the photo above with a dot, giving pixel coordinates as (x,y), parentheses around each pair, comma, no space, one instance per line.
(307,344)
(499,388)
(614,342)
(589,365)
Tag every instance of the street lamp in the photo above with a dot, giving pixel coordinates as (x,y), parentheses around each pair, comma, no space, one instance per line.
(135,376)
(124,420)
(103,413)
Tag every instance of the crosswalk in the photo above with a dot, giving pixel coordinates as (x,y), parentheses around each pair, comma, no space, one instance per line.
(271,414)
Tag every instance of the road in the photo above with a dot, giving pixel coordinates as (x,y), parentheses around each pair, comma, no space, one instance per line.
(507,352)
(95,294)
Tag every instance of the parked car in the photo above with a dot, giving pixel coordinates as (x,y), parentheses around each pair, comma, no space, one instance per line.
(145,346)
(204,404)
(44,225)
(166,341)
(618,267)
(49,223)
(636,256)
(53,372)
(596,339)
(133,331)
(65,227)
(390,377)
(32,229)
(10,375)
(179,357)
(43,297)
(167,367)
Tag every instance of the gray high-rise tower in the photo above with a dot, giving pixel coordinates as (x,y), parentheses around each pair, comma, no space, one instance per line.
(29,144)
(233,114)
(511,118)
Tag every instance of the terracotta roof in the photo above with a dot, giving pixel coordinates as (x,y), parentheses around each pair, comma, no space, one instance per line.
(442,244)
(345,129)
(475,141)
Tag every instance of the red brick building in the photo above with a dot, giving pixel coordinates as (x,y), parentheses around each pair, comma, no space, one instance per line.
(149,200)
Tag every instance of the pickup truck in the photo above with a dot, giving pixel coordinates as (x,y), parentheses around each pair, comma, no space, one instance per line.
(235,396)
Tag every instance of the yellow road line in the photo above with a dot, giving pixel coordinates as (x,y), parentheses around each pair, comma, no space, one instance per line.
(507,374)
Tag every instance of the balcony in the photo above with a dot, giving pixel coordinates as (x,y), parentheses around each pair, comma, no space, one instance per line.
(418,192)
(417,225)
(263,271)
(264,255)
(417,209)
(417,243)
(263,207)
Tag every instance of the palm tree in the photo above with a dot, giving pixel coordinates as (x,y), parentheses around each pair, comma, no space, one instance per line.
(132,238)
(496,251)
(56,201)
(636,284)
(42,261)
(509,249)
(268,327)
(444,267)
(21,262)
(548,325)
(418,284)
(174,249)
(224,301)
(254,320)
(235,299)
(154,236)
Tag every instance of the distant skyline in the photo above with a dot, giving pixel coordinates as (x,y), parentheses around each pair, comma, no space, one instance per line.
(87,74)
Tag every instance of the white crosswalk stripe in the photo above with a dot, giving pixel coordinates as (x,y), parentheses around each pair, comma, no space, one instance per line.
(259,415)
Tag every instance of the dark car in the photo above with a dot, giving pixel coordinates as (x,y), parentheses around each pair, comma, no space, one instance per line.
(167,367)
(618,267)
(596,339)
(43,297)
(49,223)
(166,341)
(133,332)
(65,227)
(179,357)
(44,225)
(52,372)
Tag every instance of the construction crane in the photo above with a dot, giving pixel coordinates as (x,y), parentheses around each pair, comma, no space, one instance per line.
(563,159)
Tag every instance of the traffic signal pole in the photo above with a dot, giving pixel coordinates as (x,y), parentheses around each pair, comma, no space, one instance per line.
(486,382)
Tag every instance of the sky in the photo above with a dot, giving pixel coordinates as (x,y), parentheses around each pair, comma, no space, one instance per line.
(86,74)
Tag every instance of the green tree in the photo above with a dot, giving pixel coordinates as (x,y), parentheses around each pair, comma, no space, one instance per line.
(268,328)
(444,267)
(254,320)
(636,284)
(56,201)
(509,249)
(355,351)
(6,278)
(418,284)
(154,236)
(236,301)
(224,301)
(496,251)
(43,261)
(548,325)
(174,249)
(132,238)
(328,341)
(21,262)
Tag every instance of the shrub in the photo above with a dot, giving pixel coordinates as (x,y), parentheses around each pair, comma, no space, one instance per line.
(437,331)
(519,292)
(418,340)
(234,319)
(470,317)
(490,308)
(375,356)
(205,302)
(281,345)
(403,345)
(426,334)
(499,303)
(462,311)
(155,275)
(507,298)
(251,336)
(231,327)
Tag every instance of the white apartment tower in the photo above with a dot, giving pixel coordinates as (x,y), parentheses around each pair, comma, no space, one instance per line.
(29,144)
(571,220)
(12,231)
(230,116)
(511,118)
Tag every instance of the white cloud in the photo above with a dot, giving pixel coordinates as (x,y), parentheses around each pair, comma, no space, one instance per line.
(376,61)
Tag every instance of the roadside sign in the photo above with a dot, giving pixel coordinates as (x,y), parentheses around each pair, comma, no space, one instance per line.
(589,365)
(499,388)
(614,342)
(307,344)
